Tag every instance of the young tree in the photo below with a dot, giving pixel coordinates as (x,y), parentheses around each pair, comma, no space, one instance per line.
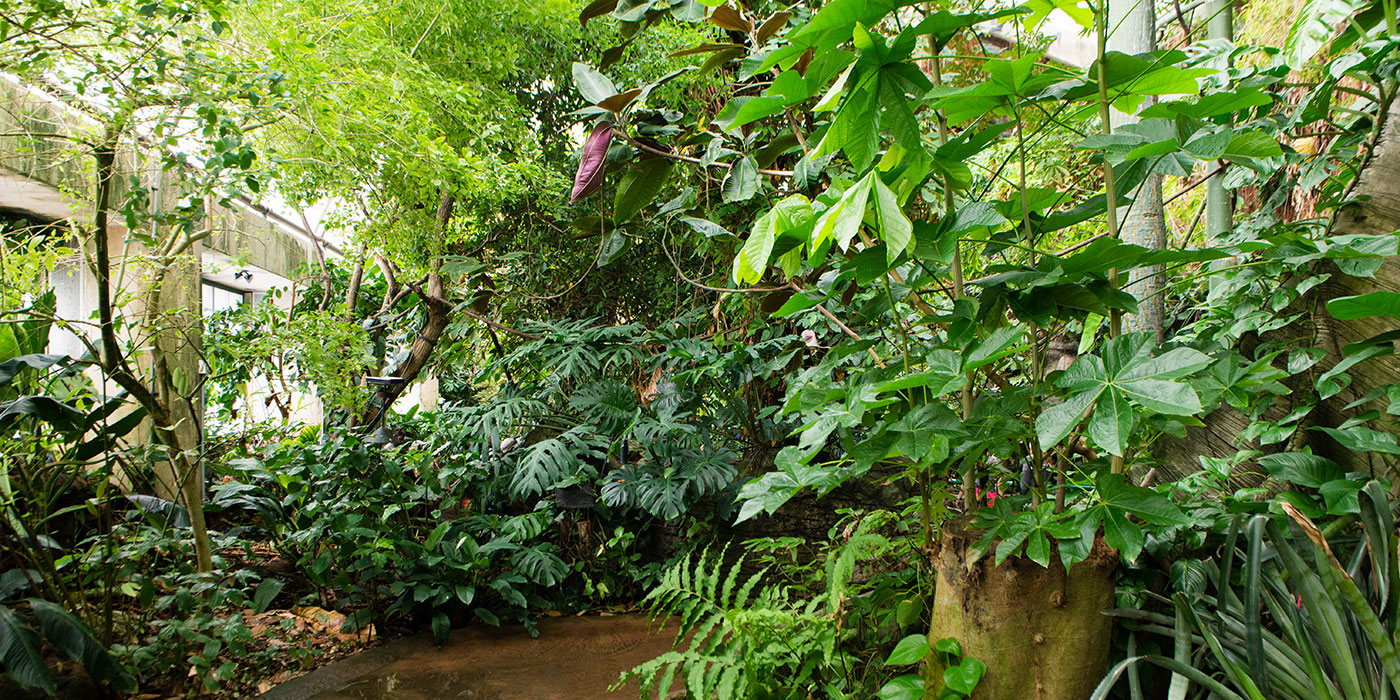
(163,130)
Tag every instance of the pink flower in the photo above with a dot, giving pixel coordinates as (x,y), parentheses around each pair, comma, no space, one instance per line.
(991,495)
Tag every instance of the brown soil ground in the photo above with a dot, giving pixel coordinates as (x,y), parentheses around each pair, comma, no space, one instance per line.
(574,658)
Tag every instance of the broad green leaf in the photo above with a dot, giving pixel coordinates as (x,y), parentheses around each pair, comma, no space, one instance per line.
(965,676)
(442,627)
(1365,306)
(1172,364)
(706,227)
(1365,440)
(895,228)
(843,219)
(854,129)
(1111,423)
(909,686)
(741,183)
(639,185)
(1115,491)
(1301,468)
(832,98)
(751,111)
(594,86)
(998,344)
(791,213)
(1122,534)
(1168,397)
(1056,422)
(265,593)
(13,366)
(910,650)
(1340,496)
(1253,144)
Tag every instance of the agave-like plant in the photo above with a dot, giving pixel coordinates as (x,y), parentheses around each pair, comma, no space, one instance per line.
(1308,619)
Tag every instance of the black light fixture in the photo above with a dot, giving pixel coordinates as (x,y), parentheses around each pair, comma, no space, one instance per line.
(381,435)
(243,275)
(574,497)
(383,381)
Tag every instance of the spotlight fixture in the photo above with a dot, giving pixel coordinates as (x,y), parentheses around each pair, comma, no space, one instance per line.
(243,275)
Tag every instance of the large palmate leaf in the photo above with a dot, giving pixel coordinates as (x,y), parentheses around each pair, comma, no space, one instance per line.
(1115,504)
(549,462)
(791,213)
(1103,388)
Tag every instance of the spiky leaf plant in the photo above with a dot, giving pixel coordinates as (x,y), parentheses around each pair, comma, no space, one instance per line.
(1307,617)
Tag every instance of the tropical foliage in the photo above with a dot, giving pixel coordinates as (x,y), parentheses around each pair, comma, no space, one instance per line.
(677,271)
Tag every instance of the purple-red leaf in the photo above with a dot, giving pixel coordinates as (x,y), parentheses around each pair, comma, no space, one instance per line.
(590,163)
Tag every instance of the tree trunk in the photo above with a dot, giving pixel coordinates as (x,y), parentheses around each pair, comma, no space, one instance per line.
(438,313)
(1374,209)
(1133,27)
(1040,630)
(115,365)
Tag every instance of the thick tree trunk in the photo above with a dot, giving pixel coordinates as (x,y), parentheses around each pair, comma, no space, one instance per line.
(1040,630)
(115,365)
(1374,209)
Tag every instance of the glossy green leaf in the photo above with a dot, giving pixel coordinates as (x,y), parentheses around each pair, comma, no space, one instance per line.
(909,686)
(1301,468)
(1365,440)
(843,219)
(964,676)
(1365,306)
(594,86)
(639,186)
(910,650)
(791,213)
(741,184)
(895,229)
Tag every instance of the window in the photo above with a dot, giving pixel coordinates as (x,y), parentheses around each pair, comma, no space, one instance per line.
(217,298)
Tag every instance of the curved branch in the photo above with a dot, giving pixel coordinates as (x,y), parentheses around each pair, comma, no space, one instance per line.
(690,159)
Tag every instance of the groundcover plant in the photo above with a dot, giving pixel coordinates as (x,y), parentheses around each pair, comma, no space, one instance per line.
(927,349)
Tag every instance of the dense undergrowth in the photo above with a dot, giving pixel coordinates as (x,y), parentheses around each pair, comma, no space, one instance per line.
(855,248)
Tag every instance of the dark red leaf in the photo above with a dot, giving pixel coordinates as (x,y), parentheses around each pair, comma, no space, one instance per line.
(597,8)
(726,17)
(590,163)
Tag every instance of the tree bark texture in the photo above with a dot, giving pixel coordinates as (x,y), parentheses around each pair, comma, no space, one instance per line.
(165,423)
(437,312)
(1374,209)
(1040,630)
(1133,29)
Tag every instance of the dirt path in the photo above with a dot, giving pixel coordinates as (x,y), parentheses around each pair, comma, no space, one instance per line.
(576,658)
